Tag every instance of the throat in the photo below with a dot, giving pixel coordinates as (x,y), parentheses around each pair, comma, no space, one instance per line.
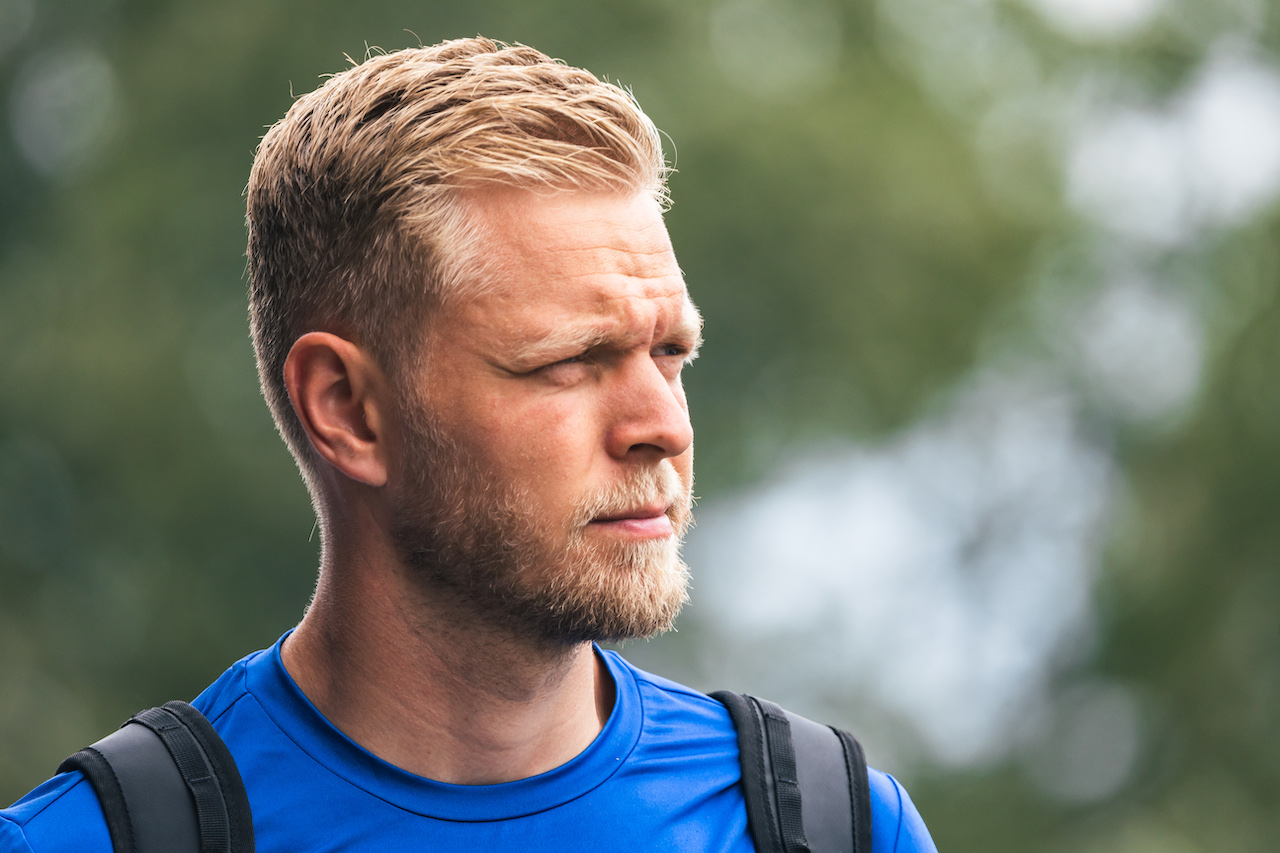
(450,702)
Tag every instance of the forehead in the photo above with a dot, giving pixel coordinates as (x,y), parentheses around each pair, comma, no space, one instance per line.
(579,255)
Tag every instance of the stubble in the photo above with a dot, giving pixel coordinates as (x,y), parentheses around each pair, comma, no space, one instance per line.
(484,547)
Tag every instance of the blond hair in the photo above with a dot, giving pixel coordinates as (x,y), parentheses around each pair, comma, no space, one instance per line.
(355,225)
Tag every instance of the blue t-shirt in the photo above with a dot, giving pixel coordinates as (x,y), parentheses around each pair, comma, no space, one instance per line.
(661,775)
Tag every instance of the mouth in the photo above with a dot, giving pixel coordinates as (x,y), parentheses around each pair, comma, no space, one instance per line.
(647,522)
(638,514)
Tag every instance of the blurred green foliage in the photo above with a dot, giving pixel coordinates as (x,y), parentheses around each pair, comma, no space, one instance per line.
(852,259)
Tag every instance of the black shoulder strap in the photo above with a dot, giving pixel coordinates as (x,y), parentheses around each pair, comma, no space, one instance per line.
(168,784)
(805,783)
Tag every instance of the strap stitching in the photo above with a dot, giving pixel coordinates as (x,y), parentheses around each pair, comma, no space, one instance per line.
(95,768)
(759,732)
(786,788)
(853,788)
(128,820)
(212,819)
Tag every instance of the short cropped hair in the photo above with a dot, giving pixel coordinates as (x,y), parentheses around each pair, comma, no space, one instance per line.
(354,218)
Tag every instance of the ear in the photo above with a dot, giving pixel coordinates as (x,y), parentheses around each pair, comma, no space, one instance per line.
(340,395)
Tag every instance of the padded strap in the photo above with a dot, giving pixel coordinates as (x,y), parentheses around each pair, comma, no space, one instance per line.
(856,767)
(236,801)
(786,782)
(168,784)
(143,798)
(97,770)
(757,778)
(772,791)
(824,786)
(805,784)
(211,809)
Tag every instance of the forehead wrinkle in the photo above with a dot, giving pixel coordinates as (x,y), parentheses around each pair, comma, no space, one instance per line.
(610,260)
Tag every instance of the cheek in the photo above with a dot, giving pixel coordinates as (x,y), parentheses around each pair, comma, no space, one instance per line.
(549,440)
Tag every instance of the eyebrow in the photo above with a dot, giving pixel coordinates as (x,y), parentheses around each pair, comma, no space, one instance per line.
(582,338)
(577,339)
(690,325)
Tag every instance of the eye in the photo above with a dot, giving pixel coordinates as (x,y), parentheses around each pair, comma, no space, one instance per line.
(680,351)
(580,358)
(566,370)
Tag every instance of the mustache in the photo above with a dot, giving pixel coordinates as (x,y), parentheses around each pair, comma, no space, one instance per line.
(641,487)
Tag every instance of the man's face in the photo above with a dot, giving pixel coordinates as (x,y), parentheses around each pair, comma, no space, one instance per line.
(548,460)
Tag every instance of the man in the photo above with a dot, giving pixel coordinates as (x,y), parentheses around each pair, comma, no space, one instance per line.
(470,329)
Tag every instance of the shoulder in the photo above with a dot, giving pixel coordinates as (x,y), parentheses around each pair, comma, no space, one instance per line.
(220,696)
(672,713)
(63,814)
(675,714)
(896,825)
(60,816)
(663,694)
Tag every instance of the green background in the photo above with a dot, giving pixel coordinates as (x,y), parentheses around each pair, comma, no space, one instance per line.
(862,231)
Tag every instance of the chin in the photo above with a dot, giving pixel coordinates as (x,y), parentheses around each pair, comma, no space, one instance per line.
(608,593)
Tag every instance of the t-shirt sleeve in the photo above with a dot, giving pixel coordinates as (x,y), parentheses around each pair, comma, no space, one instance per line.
(61,816)
(896,825)
(11,838)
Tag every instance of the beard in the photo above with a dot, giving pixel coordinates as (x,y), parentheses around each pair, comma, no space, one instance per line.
(482,545)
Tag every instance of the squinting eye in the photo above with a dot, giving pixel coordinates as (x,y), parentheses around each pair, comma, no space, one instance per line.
(684,353)
(580,358)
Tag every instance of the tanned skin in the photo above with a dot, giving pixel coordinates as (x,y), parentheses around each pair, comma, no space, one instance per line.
(560,377)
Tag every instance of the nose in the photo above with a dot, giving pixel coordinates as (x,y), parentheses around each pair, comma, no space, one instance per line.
(650,416)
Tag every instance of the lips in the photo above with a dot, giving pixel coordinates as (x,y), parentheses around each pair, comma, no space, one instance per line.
(636,524)
(640,514)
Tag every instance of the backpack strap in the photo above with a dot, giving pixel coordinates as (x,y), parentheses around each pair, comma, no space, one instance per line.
(805,784)
(855,763)
(168,784)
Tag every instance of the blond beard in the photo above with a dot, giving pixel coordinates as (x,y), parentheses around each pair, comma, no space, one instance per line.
(483,546)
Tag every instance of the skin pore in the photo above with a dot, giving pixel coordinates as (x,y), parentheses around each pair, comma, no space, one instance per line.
(557,388)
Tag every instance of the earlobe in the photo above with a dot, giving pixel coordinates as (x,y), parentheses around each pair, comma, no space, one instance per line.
(337,392)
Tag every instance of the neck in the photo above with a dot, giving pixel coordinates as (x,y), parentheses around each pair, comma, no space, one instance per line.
(437,694)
